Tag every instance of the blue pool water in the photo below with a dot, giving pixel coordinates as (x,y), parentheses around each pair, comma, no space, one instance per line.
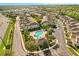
(38,34)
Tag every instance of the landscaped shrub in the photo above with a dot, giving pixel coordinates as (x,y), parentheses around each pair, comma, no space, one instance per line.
(41,47)
(31,46)
(46,44)
(69,42)
(8,52)
(8,46)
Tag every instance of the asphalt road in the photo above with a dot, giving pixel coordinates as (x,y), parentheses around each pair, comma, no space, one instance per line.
(4,25)
(62,50)
(59,34)
(17,46)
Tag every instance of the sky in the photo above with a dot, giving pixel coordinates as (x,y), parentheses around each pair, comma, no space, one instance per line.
(42,1)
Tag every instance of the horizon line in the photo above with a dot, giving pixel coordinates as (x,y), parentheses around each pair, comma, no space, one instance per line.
(35,4)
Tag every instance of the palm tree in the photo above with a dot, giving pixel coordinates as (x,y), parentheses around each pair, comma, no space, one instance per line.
(50,39)
(49,31)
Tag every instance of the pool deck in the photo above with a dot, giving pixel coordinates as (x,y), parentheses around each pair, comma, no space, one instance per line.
(42,35)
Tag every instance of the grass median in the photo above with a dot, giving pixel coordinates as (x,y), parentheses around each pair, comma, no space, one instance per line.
(72,51)
(6,39)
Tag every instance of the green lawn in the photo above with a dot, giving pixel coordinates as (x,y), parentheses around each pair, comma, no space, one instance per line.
(72,51)
(1,49)
(34,19)
(6,37)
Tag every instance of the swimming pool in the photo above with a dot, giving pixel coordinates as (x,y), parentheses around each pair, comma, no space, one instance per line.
(38,34)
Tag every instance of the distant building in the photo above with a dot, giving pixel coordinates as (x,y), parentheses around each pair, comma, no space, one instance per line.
(45,20)
(33,25)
